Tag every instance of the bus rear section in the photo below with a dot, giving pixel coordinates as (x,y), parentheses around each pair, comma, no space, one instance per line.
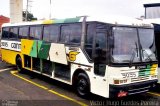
(10,45)
(109,59)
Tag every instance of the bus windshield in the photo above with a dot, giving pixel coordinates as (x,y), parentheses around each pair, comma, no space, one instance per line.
(130,44)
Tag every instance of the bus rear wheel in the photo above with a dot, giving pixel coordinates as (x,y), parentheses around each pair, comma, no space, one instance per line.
(19,63)
(82,86)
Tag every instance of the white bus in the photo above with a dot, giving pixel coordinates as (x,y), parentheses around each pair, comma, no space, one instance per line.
(100,56)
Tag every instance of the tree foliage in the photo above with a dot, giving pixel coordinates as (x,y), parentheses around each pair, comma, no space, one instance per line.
(30,16)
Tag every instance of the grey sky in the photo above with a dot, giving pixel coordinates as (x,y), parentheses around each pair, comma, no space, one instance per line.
(4,7)
(72,8)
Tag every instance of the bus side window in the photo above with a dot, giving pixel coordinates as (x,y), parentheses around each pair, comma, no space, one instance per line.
(46,33)
(23,32)
(13,33)
(5,33)
(54,33)
(71,34)
(76,32)
(89,40)
(35,32)
(65,33)
(51,33)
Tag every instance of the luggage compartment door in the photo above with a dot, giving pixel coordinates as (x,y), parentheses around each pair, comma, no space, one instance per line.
(29,47)
(57,53)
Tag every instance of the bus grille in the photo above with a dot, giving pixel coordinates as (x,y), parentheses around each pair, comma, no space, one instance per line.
(141,78)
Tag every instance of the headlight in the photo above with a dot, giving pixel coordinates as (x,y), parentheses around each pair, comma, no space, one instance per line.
(117,81)
(154,76)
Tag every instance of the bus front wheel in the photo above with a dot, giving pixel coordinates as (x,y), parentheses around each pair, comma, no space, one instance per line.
(82,86)
(19,63)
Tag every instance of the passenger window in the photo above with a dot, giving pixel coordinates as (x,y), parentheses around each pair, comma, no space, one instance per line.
(5,33)
(51,33)
(13,33)
(89,39)
(46,33)
(35,32)
(65,33)
(71,34)
(76,32)
(23,32)
(54,33)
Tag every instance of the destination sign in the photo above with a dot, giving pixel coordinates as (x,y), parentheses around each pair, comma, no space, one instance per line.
(11,45)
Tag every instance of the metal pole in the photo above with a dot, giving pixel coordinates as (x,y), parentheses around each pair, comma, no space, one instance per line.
(50,10)
(145,13)
(27,10)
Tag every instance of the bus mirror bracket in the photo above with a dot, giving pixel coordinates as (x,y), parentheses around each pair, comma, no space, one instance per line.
(83,32)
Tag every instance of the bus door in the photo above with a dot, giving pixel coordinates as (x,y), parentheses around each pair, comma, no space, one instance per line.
(99,81)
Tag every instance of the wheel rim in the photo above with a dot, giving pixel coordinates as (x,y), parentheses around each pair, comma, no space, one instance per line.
(82,87)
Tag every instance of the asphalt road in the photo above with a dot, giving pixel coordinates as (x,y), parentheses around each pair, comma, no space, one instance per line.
(31,89)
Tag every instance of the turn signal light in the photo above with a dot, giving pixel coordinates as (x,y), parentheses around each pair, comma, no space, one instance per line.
(116,81)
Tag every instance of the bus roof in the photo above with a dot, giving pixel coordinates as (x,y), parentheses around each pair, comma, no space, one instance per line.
(110,20)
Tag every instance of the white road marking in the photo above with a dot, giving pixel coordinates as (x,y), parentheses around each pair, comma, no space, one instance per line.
(1,70)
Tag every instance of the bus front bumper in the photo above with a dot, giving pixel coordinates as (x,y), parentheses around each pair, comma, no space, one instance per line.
(131,89)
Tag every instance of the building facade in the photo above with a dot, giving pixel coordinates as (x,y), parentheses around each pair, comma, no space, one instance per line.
(3,19)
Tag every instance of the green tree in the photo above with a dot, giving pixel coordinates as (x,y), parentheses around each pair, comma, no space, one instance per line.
(30,16)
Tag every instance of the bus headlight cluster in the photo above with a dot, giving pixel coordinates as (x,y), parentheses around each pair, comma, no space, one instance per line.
(117,81)
(154,76)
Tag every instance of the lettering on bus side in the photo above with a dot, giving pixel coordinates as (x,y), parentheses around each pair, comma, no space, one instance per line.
(4,44)
(16,45)
(11,45)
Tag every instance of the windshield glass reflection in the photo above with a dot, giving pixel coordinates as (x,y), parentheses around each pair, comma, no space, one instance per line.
(147,42)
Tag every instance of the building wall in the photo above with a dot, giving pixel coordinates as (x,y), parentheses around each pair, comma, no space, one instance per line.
(3,19)
(16,7)
(152,10)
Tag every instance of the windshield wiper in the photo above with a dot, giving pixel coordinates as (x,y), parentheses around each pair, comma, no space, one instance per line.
(133,55)
(132,58)
(136,48)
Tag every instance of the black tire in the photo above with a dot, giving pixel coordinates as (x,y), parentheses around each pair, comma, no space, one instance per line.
(82,85)
(19,64)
